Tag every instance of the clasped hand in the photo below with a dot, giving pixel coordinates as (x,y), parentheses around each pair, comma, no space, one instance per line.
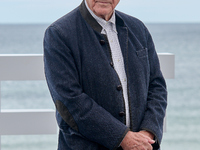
(137,141)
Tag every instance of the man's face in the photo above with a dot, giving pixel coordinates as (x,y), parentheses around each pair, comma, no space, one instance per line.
(103,8)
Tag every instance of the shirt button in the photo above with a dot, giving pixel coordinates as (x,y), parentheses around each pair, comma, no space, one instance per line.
(119,87)
(121,114)
(102,42)
(111,63)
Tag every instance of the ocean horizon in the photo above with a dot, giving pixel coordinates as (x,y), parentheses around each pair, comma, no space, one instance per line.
(183,111)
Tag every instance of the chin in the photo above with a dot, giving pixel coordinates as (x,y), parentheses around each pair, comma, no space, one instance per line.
(103,13)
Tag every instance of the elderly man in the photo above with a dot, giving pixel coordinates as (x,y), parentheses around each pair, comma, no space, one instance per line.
(104,77)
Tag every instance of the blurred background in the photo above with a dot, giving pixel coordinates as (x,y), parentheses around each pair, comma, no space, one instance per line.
(175,28)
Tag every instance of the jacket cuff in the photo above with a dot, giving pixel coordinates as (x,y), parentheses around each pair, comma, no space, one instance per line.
(156,145)
(120,141)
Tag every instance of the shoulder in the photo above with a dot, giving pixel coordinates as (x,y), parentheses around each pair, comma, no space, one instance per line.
(136,28)
(134,25)
(66,23)
(130,20)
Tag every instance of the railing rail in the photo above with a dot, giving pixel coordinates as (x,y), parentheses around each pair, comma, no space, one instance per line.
(30,67)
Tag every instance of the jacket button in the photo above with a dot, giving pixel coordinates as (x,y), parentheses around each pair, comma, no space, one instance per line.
(121,114)
(102,42)
(119,87)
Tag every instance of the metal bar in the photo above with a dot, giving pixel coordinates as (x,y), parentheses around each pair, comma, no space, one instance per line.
(28,122)
(21,67)
(0,111)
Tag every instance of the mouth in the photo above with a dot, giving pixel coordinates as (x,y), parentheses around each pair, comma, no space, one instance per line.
(102,2)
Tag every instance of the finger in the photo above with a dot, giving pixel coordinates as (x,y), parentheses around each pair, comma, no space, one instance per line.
(143,139)
(144,146)
(148,146)
(144,136)
(151,141)
(148,138)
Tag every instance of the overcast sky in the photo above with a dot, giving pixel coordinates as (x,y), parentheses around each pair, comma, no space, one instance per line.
(47,11)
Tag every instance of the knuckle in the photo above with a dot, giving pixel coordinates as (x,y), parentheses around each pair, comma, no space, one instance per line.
(143,148)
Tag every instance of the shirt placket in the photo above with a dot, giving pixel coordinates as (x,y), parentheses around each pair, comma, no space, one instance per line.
(118,65)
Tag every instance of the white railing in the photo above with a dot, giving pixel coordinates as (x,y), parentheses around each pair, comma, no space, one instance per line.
(30,67)
(24,122)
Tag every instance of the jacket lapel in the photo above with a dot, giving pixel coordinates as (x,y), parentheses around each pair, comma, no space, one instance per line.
(88,18)
(123,39)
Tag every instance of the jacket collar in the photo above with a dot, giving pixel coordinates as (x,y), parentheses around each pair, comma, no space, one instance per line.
(92,22)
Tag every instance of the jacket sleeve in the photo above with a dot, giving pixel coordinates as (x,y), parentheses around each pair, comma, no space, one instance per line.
(76,108)
(157,96)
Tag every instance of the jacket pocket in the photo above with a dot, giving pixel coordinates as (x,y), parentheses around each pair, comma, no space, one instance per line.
(142,53)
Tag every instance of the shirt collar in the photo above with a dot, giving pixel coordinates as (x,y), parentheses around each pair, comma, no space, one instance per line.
(102,22)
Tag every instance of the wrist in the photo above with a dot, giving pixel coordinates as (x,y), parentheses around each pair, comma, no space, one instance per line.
(126,139)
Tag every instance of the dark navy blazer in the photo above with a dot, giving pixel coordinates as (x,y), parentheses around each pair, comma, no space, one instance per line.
(86,89)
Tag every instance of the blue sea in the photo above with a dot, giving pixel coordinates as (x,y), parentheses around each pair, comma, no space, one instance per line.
(183,112)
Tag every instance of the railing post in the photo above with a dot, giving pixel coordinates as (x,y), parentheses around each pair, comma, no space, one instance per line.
(0,111)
